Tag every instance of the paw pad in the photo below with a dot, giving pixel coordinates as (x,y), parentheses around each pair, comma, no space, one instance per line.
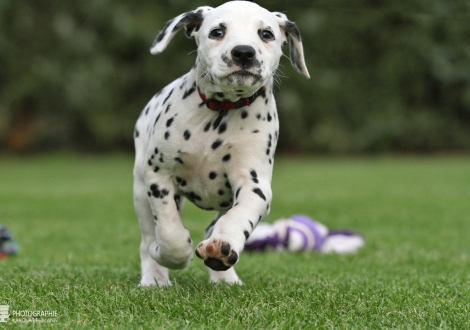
(217,255)
(215,264)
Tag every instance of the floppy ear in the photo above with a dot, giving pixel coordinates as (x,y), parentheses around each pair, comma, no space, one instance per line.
(191,20)
(295,43)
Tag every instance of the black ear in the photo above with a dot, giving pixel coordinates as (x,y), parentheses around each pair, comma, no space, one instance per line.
(191,21)
(295,43)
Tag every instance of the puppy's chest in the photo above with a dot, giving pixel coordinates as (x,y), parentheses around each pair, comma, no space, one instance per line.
(200,167)
(198,148)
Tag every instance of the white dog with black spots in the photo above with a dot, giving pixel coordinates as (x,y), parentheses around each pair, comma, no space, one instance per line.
(210,137)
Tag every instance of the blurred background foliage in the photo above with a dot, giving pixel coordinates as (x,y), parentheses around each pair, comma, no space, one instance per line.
(387,75)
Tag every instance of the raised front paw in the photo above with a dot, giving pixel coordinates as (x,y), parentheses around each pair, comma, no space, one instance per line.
(217,254)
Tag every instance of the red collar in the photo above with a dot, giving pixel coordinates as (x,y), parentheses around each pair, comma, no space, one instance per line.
(220,105)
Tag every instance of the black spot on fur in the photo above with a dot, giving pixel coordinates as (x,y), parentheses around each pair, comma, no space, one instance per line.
(179,160)
(238,192)
(184,83)
(162,33)
(187,135)
(222,128)
(216,144)
(156,169)
(227,60)
(268,150)
(269,117)
(244,114)
(192,21)
(169,122)
(292,29)
(192,196)
(208,126)
(167,135)
(189,91)
(226,158)
(166,99)
(156,120)
(155,191)
(254,176)
(219,118)
(251,224)
(224,204)
(246,233)
(220,192)
(259,193)
(168,108)
(212,175)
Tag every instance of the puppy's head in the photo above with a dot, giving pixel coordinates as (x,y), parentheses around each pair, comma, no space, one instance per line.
(239,45)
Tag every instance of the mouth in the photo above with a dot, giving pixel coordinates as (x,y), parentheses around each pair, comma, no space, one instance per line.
(242,77)
(243,74)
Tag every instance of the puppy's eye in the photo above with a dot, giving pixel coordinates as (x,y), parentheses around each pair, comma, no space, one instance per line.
(266,35)
(216,34)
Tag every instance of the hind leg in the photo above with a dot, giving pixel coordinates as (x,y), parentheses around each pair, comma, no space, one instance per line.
(229,275)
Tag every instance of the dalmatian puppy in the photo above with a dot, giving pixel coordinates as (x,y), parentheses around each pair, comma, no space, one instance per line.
(210,137)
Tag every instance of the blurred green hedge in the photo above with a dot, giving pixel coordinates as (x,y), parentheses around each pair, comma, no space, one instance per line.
(386,76)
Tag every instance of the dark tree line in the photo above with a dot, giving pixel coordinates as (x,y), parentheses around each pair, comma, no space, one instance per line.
(385,77)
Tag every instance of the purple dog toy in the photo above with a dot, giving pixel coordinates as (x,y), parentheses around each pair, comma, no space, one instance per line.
(302,233)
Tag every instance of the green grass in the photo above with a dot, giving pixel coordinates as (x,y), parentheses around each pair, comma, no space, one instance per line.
(74,220)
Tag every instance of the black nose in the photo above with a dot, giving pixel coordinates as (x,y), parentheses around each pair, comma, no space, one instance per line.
(243,56)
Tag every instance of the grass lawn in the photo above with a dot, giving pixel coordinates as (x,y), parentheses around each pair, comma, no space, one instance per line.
(74,220)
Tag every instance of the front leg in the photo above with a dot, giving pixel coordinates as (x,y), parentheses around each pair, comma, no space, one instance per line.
(252,200)
(230,275)
(173,245)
